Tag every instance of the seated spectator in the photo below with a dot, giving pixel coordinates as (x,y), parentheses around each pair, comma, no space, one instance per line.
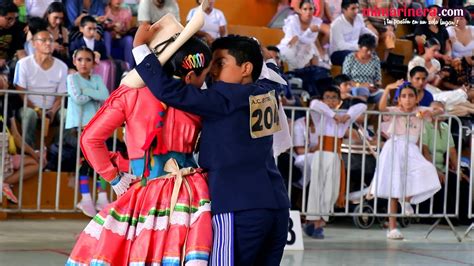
(76,9)
(35,24)
(363,67)
(150,11)
(417,79)
(433,29)
(88,29)
(11,36)
(377,23)
(86,92)
(40,72)
(461,37)
(437,154)
(54,16)
(430,63)
(345,32)
(299,136)
(117,28)
(215,24)
(459,102)
(298,47)
(37,8)
(350,95)
(273,53)
(12,163)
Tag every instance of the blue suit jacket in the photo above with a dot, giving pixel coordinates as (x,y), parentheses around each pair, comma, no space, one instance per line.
(242,171)
(99,46)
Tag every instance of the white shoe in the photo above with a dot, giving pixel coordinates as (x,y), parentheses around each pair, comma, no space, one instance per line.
(394,234)
(87,207)
(101,204)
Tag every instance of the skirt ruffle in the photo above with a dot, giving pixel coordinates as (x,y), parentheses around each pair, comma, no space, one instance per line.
(136,229)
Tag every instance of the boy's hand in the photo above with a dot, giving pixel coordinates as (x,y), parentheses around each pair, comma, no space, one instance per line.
(144,34)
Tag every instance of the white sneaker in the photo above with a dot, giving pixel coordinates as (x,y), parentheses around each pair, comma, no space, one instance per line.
(87,207)
(101,204)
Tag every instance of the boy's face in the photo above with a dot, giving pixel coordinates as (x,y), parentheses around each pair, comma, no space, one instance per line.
(351,11)
(89,30)
(418,80)
(224,67)
(331,99)
(345,87)
(8,20)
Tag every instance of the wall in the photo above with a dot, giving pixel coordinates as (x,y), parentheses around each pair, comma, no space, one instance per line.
(238,12)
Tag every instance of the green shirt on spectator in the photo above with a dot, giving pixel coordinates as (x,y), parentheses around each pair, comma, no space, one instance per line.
(442,136)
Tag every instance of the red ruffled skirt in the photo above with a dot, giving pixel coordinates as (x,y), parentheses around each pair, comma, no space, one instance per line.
(136,228)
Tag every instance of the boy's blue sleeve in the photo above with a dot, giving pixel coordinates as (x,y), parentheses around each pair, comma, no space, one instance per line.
(208,103)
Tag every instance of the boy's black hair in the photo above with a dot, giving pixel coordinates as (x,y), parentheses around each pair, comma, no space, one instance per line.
(418,69)
(367,40)
(346,3)
(7,6)
(87,19)
(243,49)
(194,55)
(37,24)
(339,79)
(333,89)
(54,7)
(273,48)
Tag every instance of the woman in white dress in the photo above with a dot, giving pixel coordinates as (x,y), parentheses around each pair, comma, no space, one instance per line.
(298,46)
(402,173)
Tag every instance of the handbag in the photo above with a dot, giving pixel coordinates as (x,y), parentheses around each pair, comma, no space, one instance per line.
(11,140)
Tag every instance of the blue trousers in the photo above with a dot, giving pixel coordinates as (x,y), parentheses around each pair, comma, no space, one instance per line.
(250,237)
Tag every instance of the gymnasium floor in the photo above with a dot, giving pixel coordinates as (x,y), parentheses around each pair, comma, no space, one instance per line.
(48,242)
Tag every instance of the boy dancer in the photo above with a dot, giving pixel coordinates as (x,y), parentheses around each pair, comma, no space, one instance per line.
(249,201)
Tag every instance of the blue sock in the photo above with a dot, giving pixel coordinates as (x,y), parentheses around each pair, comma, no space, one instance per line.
(84,184)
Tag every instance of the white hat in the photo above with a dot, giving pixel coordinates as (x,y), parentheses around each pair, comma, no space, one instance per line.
(169,38)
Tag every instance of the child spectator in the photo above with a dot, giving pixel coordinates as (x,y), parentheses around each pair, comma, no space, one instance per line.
(54,16)
(430,63)
(328,177)
(11,171)
(86,92)
(88,28)
(350,95)
(117,26)
(215,25)
(403,174)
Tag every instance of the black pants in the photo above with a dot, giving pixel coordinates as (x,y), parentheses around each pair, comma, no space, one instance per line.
(260,236)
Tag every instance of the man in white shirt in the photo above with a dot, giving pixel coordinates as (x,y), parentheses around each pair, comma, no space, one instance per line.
(345,31)
(40,72)
(215,24)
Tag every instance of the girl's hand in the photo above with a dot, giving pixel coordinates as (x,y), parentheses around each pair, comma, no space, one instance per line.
(314,28)
(144,34)
(395,85)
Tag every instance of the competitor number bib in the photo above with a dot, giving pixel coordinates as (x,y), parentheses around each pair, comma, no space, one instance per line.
(264,120)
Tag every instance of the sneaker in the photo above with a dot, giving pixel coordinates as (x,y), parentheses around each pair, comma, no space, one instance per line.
(394,234)
(318,233)
(101,204)
(309,229)
(7,191)
(87,207)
